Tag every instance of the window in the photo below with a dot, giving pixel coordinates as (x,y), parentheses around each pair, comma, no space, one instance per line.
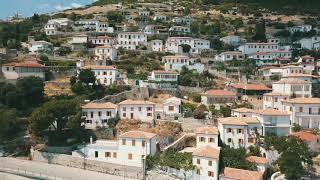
(107,154)
(229,140)
(108,113)
(239,131)
(310,110)
(91,114)
(123,141)
(139,108)
(96,154)
(149,108)
(143,143)
(124,115)
(198,171)
(148,114)
(130,156)
(240,141)
(300,109)
(99,113)
(209,163)
(202,139)
(198,161)
(229,130)
(171,108)
(124,109)
(131,108)
(133,142)
(211,140)
(210,173)
(114,155)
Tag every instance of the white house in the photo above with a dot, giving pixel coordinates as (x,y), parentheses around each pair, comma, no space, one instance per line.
(156,45)
(167,76)
(144,12)
(104,27)
(304,111)
(172,106)
(293,87)
(270,55)
(137,109)
(182,20)
(229,56)
(54,26)
(303,28)
(252,48)
(29,67)
(207,136)
(159,17)
(308,63)
(106,75)
(130,40)
(274,100)
(173,44)
(87,23)
(79,39)
(130,149)
(172,63)
(242,112)
(104,53)
(312,43)
(36,47)
(232,40)
(102,40)
(98,114)
(274,122)
(177,30)
(239,131)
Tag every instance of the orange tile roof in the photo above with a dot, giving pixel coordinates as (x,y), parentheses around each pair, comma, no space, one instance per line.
(137,135)
(207,151)
(104,46)
(241,121)
(303,101)
(272,112)
(302,75)
(257,160)
(291,81)
(243,110)
(100,67)
(241,174)
(305,136)
(106,105)
(136,102)
(220,92)
(254,87)
(207,130)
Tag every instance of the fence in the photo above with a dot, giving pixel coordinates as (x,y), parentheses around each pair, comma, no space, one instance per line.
(88,164)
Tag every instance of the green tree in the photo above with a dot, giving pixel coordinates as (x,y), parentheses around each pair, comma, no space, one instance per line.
(115,16)
(56,114)
(225,111)
(9,124)
(87,76)
(296,127)
(30,90)
(44,58)
(185,48)
(260,33)
(199,112)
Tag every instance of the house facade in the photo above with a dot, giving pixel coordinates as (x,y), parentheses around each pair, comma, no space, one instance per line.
(218,98)
(105,53)
(137,110)
(130,40)
(13,71)
(106,75)
(229,56)
(98,114)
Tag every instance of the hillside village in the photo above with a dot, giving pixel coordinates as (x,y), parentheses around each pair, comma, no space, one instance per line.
(170,90)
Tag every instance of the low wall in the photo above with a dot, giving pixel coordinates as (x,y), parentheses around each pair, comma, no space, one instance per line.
(77,162)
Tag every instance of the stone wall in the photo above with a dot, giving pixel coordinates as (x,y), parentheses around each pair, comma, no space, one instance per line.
(135,93)
(88,164)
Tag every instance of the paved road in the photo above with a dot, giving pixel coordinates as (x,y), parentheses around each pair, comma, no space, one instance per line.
(53,171)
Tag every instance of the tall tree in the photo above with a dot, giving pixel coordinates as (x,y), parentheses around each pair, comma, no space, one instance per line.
(87,76)
(260,31)
(8,122)
(30,90)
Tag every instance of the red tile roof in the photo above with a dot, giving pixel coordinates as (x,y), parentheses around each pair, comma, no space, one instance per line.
(32,64)
(137,135)
(220,92)
(254,87)
(241,174)
(207,151)
(305,136)
(207,130)
(303,101)
(106,105)
(257,160)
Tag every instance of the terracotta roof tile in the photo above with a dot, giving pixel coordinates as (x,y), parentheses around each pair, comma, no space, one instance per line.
(272,112)
(106,105)
(243,110)
(220,92)
(241,174)
(303,101)
(28,63)
(207,130)
(257,160)
(254,87)
(137,135)
(305,136)
(241,121)
(207,151)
